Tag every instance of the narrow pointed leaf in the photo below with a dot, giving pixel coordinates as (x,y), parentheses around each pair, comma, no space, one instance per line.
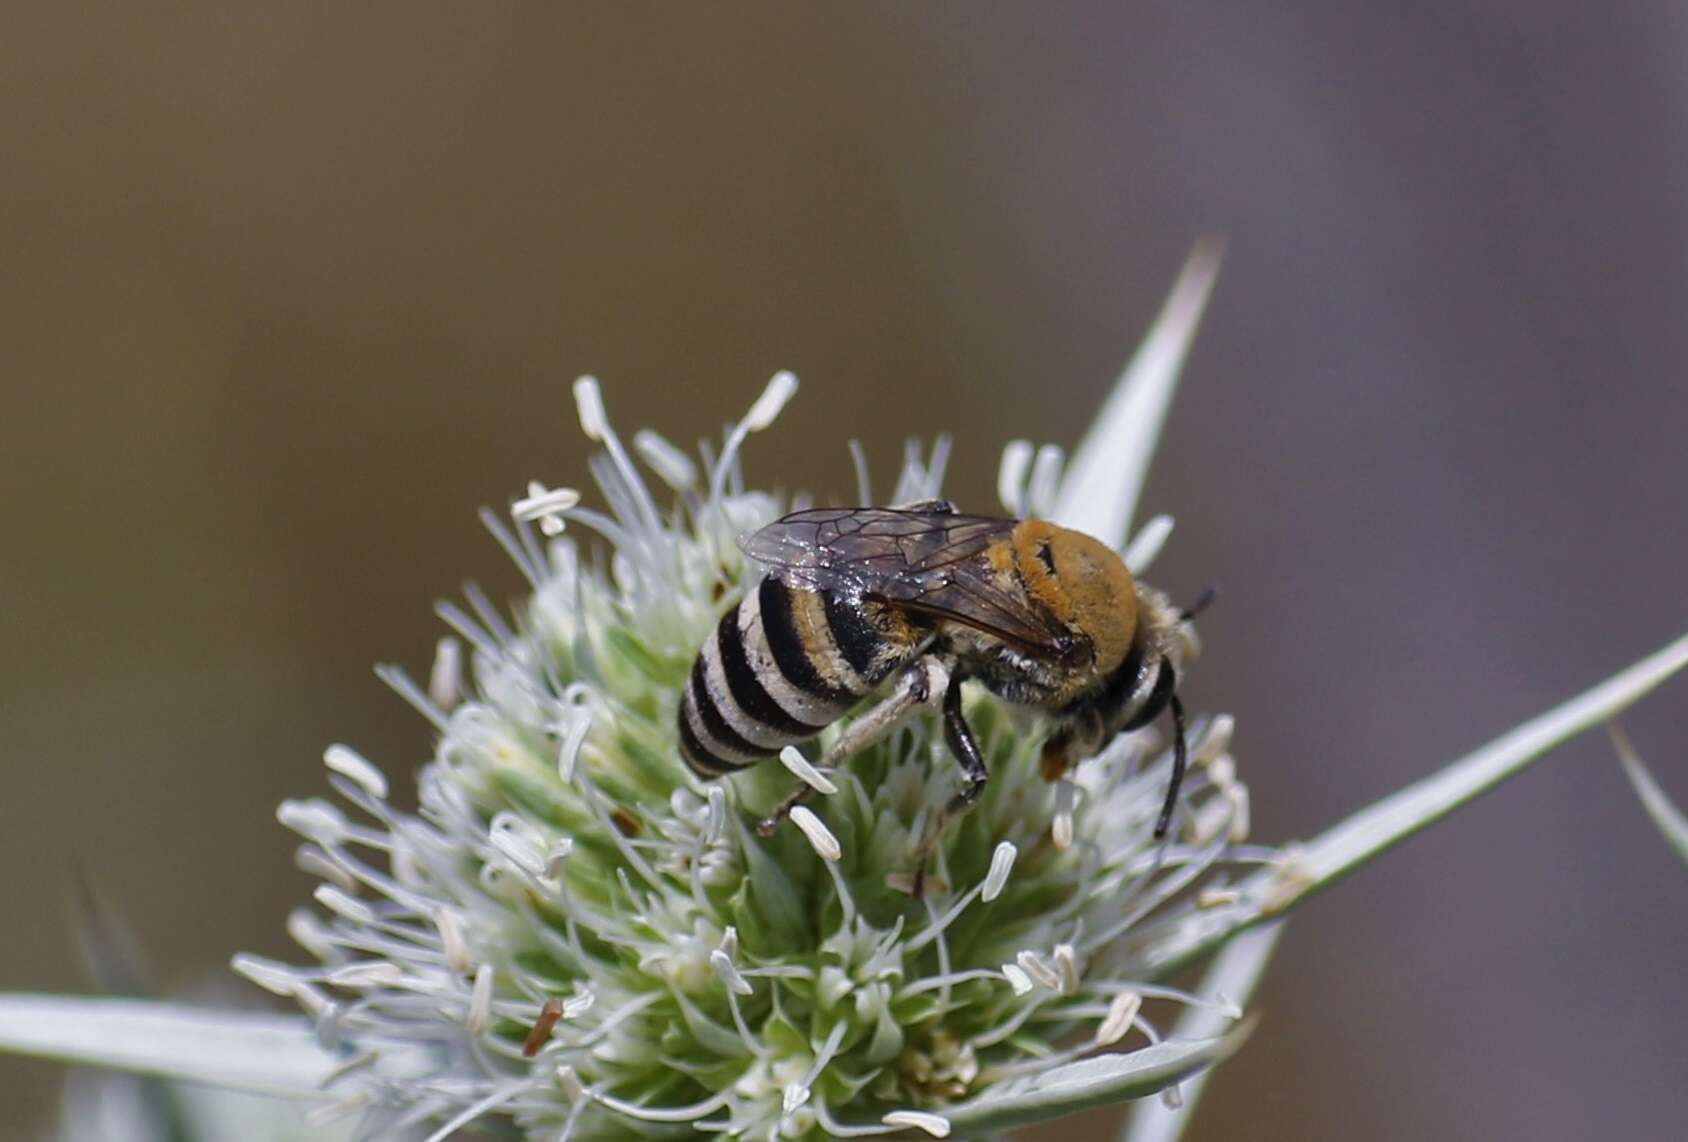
(264,1054)
(1665,815)
(1089,1083)
(1353,842)
(1099,492)
(1235,973)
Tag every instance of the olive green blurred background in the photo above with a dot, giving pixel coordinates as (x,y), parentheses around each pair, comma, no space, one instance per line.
(287,291)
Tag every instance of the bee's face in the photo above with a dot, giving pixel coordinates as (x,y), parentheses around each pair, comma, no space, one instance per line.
(1083,583)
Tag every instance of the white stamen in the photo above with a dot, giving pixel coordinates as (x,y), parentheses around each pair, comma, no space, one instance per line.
(1066,964)
(780,389)
(729,973)
(820,837)
(1237,795)
(347,762)
(1017,979)
(1217,897)
(589,403)
(314,819)
(1147,544)
(1002,863)
(794,1096)
(310,933)
(267,974)
(445,680)
(546,505)
(1172,1098)
(729,941)
(1061,828)
(372,973)
(559,852)
(792,758)
(672,466)
(1223,770)
(1121,1014)
(934,1124)
(343,904)
(568,755)
(1011,476)
(573,1089)
(1032,964)
(312,861)
(1215,741)
(1046,480)
(579,1005)
(716,820)
(451,939)
(480,1001)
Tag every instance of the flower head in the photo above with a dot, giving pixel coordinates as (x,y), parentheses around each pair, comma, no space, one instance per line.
(574,933)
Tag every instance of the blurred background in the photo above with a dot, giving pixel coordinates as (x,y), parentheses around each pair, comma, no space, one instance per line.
(287,291)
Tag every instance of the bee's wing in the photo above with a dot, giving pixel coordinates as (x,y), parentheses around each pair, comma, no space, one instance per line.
(923,561)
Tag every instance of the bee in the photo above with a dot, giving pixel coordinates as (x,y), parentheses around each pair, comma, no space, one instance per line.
(1041,615)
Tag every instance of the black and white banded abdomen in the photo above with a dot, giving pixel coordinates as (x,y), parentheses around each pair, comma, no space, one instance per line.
(780,667)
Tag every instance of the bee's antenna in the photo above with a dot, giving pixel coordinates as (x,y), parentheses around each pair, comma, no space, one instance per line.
(1180,753)
(1203,601)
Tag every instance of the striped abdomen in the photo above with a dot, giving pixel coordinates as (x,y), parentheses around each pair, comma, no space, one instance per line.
(780,667)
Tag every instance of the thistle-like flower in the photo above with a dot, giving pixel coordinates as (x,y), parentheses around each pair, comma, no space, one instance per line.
(575,934)
(574,938)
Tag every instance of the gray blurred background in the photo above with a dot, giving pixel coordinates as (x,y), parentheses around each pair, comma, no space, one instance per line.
(287,291)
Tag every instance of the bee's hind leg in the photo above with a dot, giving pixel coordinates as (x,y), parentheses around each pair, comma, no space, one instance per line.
(958,735)
(923,683)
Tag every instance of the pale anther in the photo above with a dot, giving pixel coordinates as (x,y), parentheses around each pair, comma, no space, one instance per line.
(1032,964)
(451,940)
(343,904)
(1066,966)
(445,680)
(589,403)
(480,1001)
(1215,742)
(1122,1012)
(374,973)
(729,973)
(780,389)
(670,464)
(1017,979)
(314,819)
(1061,827)
(934,1124)
(792,758)
(820,837)
(267,974)
(348,763)
(794,1096)
(1002,863)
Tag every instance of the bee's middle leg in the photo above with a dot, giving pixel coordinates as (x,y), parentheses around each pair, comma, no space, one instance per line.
(958,735)
(923,683)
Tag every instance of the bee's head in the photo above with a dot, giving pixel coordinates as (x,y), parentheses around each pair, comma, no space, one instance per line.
(1083,583)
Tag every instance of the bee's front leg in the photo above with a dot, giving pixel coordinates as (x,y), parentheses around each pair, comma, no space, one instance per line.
(923,683)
